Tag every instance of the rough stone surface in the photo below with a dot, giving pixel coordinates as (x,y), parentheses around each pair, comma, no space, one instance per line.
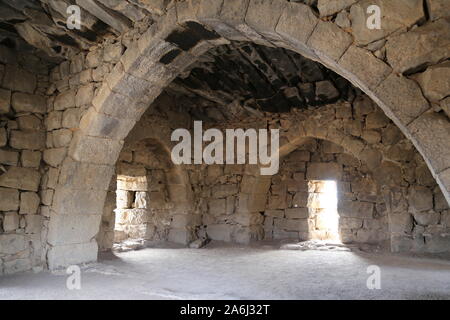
(395,15)
(435,81)
(5,101)
(29,203)
(21,178)
(438,8)
(432,132)
(425,45)
(29,140)
(76,115)
(24,102)
(330,7)
(9,200)
(363,68)
(329,40)
(404,97)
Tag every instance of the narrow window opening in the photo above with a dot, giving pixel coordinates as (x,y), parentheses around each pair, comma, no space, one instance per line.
(323,213)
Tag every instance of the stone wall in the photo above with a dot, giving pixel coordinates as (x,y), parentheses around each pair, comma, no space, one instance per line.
(149,197)
(403,69)
(73,85)
(143,209)
(386,192)
(294,202)
(23,105)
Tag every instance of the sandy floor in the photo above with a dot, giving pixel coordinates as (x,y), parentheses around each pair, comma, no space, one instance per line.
(229,272)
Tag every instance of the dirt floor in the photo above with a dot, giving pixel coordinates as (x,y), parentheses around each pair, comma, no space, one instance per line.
(221,271)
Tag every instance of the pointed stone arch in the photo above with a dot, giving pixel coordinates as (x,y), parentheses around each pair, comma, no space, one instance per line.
(189,29)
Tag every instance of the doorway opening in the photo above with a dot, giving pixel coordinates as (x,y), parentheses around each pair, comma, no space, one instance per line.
(323,213)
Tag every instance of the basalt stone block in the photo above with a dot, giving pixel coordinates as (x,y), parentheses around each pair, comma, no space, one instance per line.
(362,68)
(426,45)
(84,95)
(65,100)
(438,8)
(301,225)
(263,16)
(25,102)
(180,235)
(220,232)
(355,209)
(328,40)
(33,224)
(431,131)
(12,243)
(55,156)
(31,159)
(403,96)
(68,254)
(29,122)
(395,16)
(29,203)
(21,178)
(9,199)
(420,199)
(18,79)
(297,213)
(9,158)
(330,7)
(5,101)
(3,137)
(435,81)
(61,137)
(401,223)
(324,171)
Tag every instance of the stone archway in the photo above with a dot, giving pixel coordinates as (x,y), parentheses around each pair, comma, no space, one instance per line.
(386,163)
(188,30)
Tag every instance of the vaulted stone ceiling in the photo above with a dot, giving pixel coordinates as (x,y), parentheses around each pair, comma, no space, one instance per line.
(259,78)
(40,26)
(239,78)
(30,25)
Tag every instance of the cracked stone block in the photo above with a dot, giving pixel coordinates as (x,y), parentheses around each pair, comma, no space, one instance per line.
(435,81)
(329,41)
(363,68)
(403,97)
(431,131)
(426,45)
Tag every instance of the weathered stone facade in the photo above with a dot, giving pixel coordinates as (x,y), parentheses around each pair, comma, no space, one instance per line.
(23,105)
(58,154)
(386,194)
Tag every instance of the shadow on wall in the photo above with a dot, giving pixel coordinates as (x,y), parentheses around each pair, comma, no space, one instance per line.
(150,200)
